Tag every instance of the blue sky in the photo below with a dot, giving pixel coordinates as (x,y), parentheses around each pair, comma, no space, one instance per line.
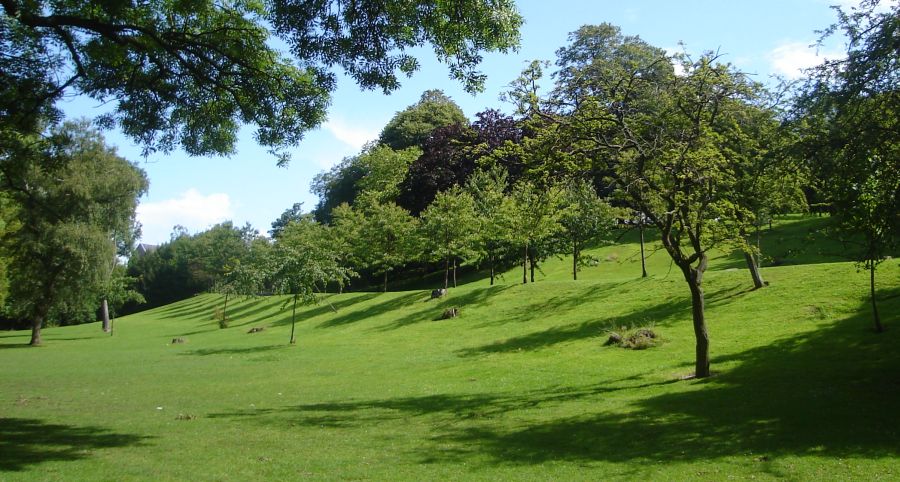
(762,37)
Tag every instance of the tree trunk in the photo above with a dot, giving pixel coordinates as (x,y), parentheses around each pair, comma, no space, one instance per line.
(643,262)
(531,264)
(759,243)
(754,271)
(293,321)
(525,265)
(491,262)
(225,310)
(454,272)
(36,330)
(694,278)
(104,313)
(447,271)
(575,261)
(384,288)
(878,326)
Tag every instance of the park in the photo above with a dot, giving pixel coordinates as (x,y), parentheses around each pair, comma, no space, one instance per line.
(640,263)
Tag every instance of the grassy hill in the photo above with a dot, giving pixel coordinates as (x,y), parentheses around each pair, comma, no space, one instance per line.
(518,387)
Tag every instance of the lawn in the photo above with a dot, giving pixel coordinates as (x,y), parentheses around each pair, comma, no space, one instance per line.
(519,387)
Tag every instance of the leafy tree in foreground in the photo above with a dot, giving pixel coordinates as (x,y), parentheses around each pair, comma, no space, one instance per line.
(654,134)
(190,73)
(68,217)
(849,122)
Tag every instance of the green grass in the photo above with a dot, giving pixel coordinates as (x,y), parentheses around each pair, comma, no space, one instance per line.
(518,387)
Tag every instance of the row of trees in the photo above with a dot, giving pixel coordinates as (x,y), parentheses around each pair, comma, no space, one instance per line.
(185,75)
(696,148)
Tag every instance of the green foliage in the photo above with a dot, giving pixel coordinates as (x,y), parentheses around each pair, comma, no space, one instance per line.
(412,126)
(292,214)
(378,169)
(585,218)
(531,218)
(381,236)
(191,264)
(847,120)
(189,74)
(449,227)
(72,195)
(384,169)
(488,190)
(517,388)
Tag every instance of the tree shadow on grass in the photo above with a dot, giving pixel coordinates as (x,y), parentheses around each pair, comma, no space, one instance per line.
(657,315)
(191,308)
(829,393)
(464,406)
(28,442)
(252,350)
(371,311)
(435,307)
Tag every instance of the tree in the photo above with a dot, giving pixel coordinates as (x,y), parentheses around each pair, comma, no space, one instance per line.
(301,264)
(445,162)
(384,235)
(847,119)
(378,169)
(767,181)
(585,218)
(190,73)
(655,136)
(452,153)
(487,188)
(412,126)
(531,215)
(248,277)
(67,215)
(449,226)
(117,291)
(291,214)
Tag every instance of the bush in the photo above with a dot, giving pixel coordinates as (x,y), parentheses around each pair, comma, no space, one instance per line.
(640,339)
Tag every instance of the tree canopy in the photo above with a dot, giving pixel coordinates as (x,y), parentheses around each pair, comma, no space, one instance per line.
(72,200)
(189,73)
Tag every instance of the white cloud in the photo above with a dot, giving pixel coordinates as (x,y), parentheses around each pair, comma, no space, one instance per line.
(791,58)
(191,209)
(353,135)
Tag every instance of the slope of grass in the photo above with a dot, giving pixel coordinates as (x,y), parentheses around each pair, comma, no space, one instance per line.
(518,387)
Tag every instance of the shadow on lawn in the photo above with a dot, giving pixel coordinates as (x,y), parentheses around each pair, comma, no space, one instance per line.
(432,309)
(26,442)
(660,314)
(234,351)
(831,392)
